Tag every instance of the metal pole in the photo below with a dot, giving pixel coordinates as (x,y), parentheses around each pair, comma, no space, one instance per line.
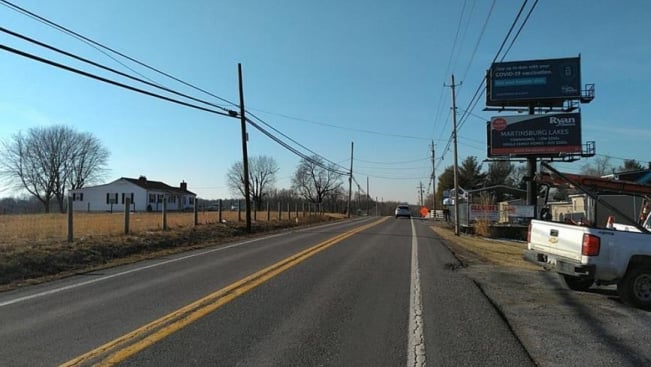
(245,157)
(532,188)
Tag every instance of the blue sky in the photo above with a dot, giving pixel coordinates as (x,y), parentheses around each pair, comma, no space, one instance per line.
(324,73)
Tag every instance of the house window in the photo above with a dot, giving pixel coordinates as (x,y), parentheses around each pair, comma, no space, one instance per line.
(171,199)
(152,198)
(122,198)
(131,198)
(81,196)
(191,200)
(160,198)
(111,199)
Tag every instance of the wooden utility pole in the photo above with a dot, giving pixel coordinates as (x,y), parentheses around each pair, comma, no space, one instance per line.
(245,155)
(350,178)
(433,178)
(456,166)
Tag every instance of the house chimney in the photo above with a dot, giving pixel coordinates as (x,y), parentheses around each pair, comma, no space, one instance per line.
(142,178)
(184,186)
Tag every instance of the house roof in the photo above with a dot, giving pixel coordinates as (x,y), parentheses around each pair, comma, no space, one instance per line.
(156,185)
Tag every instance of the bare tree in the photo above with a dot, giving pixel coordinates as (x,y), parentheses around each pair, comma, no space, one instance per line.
(600,166)
(315,181)
(47,160)
(88,161)
(262,177)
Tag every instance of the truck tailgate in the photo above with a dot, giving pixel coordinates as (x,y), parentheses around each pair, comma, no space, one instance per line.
(563,240)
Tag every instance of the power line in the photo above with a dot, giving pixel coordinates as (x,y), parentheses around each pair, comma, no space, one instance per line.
(481,35)
(339,127)
(480,89)
(108,81)
(90,62)
(92,42)
(297,143)
(229,113)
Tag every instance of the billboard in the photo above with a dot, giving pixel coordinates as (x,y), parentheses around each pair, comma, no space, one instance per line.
(534,82)
(540,135)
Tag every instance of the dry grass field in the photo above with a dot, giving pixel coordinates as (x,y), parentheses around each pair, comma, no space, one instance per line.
(34,248)
(39,228)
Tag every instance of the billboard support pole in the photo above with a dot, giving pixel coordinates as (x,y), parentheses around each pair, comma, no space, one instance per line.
(532,189)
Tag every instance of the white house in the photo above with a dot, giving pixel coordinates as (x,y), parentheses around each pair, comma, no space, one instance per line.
(145,195)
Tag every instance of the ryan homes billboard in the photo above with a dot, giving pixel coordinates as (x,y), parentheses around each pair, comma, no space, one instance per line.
(540,135)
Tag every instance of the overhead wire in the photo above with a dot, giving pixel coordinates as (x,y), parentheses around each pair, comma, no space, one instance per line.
(106,68)
(108,81)
(229,113)
(90,41)
(480,89)
(336,126)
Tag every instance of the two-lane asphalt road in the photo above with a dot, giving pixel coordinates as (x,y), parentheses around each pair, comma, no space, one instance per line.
(370,292)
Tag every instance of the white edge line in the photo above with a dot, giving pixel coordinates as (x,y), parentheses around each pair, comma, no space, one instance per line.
(100,279)
(416,339)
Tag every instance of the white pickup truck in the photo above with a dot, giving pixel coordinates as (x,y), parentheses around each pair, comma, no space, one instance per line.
(584,255)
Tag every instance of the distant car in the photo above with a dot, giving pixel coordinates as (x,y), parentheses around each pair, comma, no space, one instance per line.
(403,211)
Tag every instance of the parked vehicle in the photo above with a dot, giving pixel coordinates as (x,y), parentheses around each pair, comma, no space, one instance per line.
(584,253)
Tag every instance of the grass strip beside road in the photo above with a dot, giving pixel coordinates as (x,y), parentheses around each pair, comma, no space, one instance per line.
(130,344)
(471,249)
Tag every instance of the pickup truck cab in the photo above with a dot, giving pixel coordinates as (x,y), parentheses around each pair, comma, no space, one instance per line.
(585,255)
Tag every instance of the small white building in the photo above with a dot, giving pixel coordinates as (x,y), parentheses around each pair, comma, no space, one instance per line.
(145,195)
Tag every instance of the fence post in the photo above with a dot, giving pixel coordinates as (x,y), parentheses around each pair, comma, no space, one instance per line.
(70,236)
(289,210)
(280,212)
(303,204)
(220,211)
(127,205)
(239,210)
(164,213)
(196,212)
(268,213)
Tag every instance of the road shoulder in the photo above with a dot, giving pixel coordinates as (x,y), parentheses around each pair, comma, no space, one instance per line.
(556,326)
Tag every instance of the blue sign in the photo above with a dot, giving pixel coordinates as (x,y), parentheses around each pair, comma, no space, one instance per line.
(535,82)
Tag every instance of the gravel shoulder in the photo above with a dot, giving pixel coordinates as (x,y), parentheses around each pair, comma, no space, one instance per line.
(557,326)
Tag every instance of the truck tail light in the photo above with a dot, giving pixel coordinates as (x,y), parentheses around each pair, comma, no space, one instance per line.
(591,245)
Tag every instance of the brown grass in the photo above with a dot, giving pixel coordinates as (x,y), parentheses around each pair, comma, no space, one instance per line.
(477,250)
(31,228)
(34,247)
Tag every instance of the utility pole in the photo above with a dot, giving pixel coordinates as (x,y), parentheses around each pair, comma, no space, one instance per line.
(420,192)
(368,198)
(456,167)
(245,155)
(350,177)
(532,188)
(433,178)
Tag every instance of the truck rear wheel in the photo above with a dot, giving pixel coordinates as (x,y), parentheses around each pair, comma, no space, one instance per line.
(576,283)
(635,288)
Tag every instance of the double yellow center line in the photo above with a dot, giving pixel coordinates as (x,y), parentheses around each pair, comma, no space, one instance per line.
(129,344)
